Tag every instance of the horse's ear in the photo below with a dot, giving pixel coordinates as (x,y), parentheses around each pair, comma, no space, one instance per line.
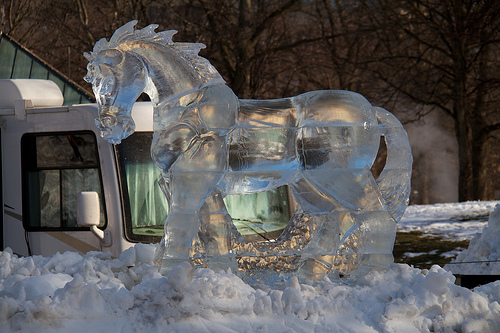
(111,57)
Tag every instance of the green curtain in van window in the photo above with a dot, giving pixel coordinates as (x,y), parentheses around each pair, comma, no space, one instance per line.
(145,194)
(259,212)
(268,210)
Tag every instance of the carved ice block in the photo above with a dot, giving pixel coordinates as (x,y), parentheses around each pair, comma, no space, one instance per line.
(208,144)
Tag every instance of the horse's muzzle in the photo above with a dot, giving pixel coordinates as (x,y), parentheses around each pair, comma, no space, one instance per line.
(114,126)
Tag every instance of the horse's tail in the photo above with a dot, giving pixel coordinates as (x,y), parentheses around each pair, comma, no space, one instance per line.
(395,180)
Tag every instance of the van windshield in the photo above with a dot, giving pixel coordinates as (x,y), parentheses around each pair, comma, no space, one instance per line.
(258,217)
(145,206)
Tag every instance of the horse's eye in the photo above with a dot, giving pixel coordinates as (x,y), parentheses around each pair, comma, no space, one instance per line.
(107,85)
(108,122)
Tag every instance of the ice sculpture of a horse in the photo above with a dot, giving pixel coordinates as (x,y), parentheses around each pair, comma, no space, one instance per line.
(208,144)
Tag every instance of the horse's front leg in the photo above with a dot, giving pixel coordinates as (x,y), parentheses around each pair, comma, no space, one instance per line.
(192,180)
(213,246)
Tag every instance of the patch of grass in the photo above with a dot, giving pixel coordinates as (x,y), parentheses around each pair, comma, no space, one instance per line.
(431,248)
(472,217)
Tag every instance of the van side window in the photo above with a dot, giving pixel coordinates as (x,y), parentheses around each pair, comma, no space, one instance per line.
(56,167)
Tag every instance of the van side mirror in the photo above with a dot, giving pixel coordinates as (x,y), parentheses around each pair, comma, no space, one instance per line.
(88,209)
(88,215)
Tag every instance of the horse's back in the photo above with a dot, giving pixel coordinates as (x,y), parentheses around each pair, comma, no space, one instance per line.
(264,137)
(275,139)
(267,113)
(316,108)
(330,128)
(338,130)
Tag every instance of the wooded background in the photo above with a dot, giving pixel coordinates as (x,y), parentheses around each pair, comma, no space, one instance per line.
(434,63)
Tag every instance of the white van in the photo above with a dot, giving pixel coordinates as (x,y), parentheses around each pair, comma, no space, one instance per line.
(51,153)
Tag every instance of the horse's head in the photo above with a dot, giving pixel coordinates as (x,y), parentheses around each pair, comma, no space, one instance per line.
(134,61)
(118,78)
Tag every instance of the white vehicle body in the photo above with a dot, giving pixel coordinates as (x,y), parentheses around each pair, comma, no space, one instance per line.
(30,109)
(51,153)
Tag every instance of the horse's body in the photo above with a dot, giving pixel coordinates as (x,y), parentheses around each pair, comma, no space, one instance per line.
(208,143)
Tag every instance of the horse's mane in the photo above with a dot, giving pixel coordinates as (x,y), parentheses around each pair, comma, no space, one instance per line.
(126,34)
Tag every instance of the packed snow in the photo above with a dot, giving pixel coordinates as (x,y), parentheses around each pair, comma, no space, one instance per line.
(94,292)
(457,221)
(483,254)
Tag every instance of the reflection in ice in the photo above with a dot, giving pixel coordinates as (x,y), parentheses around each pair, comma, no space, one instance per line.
(209,144)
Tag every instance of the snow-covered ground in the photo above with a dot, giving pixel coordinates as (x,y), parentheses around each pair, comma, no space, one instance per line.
(483,254)
(96,293)
(457,221)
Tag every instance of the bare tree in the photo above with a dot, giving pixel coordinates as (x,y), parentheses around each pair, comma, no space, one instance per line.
(443,54)
(16,15)
(60,31)
(246,40)
(251,43)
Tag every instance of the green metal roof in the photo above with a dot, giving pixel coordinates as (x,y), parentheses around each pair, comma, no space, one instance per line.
(17,62)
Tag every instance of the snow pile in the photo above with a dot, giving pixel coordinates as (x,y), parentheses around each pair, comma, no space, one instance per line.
(94,292)
(70,292)
(455,221)
(483,255)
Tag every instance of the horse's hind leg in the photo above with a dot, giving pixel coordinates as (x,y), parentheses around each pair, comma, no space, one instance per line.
(315,227)
(344,204)
(368,220)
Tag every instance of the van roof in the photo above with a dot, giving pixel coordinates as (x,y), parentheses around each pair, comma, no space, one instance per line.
(41,93)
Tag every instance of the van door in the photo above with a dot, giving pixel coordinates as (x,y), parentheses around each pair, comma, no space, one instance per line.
(56,167)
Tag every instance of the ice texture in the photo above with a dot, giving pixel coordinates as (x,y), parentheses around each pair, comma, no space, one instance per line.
(207,144)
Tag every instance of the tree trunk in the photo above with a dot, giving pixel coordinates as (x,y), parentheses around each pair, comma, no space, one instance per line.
(462,120)
(465,160)
(241,82)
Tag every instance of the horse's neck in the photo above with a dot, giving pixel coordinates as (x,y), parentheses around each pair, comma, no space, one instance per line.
(165,85)
(170,75)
